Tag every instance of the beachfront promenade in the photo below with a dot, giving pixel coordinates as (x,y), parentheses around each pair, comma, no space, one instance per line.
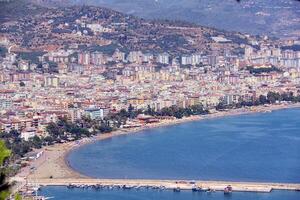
(168,184)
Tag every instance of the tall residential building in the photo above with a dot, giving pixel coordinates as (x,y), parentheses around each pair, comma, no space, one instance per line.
(84,58)
(51,81)
(248,52)
(135,57)
(186,60)
(97,58)
(163,58)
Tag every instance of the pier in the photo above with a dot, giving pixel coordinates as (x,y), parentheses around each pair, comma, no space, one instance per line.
(166,184)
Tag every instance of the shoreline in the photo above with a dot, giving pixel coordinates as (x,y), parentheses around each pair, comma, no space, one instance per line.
(53,163)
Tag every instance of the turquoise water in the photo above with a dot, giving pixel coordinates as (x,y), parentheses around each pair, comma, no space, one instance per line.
(257,147)
(62,193)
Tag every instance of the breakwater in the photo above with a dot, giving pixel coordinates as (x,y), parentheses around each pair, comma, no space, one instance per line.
(175,185)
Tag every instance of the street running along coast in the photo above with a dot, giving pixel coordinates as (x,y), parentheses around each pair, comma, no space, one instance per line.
(52,168)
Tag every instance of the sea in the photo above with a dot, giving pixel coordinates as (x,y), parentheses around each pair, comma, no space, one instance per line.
(259,147)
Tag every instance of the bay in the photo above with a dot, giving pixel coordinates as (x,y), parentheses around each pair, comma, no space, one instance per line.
(261,147)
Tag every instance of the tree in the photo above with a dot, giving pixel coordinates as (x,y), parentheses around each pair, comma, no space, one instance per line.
(197,109)
(36,142)
(131,111)
(287,96)
(263,99)
(149,111)
(273,97)
(14,133)
(22,84)
(221,106)
(18,196)
(53,130)
(4,186)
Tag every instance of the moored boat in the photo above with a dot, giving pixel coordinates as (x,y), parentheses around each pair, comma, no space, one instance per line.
(228,189)
(177,189)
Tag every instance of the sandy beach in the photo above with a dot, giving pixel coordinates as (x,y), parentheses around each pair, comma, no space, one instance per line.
(52,164)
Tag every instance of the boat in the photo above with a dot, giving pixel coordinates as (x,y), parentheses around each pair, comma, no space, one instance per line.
(204,189)
(197,189)
(126,187)
(41,198)
(71,186)
(162,187)
(209,190)
(228,190)
(177,189)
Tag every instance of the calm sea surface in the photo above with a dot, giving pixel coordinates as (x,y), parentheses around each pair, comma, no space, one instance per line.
(256,147)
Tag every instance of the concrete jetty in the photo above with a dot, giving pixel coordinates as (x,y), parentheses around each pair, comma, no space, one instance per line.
(168,184)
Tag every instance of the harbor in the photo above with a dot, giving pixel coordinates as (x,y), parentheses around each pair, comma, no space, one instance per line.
(175,185)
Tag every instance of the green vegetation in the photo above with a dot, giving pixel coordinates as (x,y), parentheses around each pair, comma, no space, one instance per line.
(31,56)
(61,131)
(18,146)
(271,98)
(3,51)
(22,84)
(18,196)
(295,47)
(179,112)
(4,187)
(173,111)
(262,70)
(4,152)
(53,67)
(171,41)
(106,49)
(64,130)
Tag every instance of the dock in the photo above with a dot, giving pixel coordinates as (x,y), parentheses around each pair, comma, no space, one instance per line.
(166,184)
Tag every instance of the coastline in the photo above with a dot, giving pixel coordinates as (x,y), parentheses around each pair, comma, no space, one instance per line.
(53,162)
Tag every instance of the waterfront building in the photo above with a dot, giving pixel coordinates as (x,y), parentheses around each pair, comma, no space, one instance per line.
(94,113)
(75,114)
(28,133)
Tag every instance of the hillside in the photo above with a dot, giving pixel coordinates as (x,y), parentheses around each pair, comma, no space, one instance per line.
(278,18)
(32,26)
